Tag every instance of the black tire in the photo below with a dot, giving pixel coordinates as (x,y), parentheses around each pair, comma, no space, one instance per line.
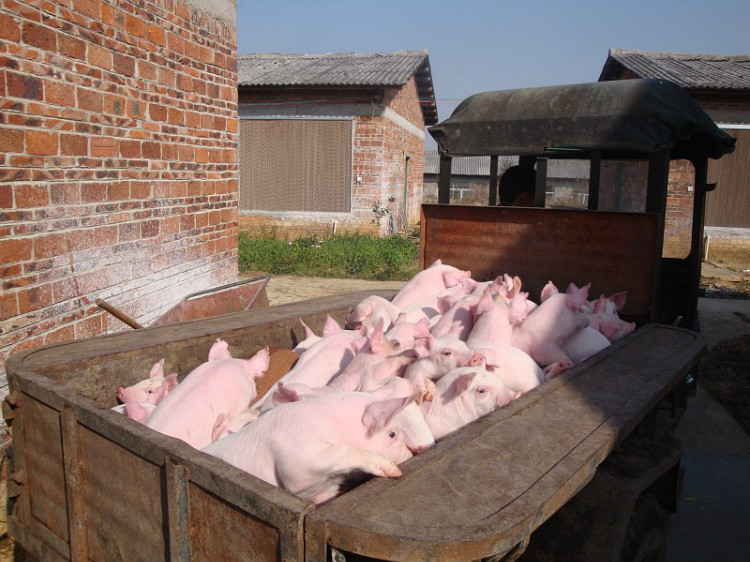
(646,534)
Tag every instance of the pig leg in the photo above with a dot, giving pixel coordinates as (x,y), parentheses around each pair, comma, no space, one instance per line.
(320,479)
(554,369)
(226,426)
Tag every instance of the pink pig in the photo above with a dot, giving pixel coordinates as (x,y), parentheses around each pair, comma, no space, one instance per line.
(602,316)
(462,396)
(324,360)
(330,327)
(369,311)
(583,344)
(150,390)
(544,330)
(429,281)
(209,396)
(437,356)
(432,305)
(311,447)
(494,321)
(378,360)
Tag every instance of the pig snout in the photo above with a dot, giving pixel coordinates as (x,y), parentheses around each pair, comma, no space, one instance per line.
(416,449)
(476,360)
(121,394)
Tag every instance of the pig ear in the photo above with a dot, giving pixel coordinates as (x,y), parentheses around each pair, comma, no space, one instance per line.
(400,319)
(485,303)
(451,279)
(378,414)
(330,327)
(577,297)
(423,345)
(170,382)
(600,304)
(619,299)
(257,365)
(423,327)
(463,382)
(469,284)
(157,370)
(308,332)
(219,350)
(377,341)
(518,309)
(548,291)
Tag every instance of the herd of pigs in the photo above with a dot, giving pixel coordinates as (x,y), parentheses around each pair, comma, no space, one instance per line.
(398,376)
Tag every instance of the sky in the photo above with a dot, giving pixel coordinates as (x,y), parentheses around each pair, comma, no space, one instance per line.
(481,45)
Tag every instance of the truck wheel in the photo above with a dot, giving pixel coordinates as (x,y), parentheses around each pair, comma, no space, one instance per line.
(646,534)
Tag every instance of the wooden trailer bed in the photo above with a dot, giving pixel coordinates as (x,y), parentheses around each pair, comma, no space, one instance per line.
(86,481)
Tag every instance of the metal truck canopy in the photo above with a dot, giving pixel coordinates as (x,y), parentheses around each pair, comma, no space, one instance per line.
(642,116)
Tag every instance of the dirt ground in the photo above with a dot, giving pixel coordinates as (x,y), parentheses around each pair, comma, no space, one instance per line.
(282,289)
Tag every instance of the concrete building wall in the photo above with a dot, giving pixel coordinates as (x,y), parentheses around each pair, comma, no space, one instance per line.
(118,162)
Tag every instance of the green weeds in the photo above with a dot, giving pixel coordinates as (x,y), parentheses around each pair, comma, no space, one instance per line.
(357,256)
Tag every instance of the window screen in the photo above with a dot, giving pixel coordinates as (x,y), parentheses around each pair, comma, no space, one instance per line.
(295,165)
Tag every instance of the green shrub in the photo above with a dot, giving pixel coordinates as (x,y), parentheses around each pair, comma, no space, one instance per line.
(357,256)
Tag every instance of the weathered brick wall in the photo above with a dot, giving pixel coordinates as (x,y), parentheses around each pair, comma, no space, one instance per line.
(382,140)
(118,162)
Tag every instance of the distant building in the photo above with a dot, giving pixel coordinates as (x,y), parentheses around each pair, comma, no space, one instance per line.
(567,180)
(326,140)
(721,84)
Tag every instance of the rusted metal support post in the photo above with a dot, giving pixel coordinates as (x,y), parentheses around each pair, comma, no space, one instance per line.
(595,175)
(444,179)
(540,189)
(493,181)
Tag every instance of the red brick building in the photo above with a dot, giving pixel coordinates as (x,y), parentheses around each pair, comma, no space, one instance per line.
(721,85)
(118,162)
(325,139)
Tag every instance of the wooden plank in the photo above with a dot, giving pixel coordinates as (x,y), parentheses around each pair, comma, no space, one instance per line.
(95,367)
(612,251)
(485,488)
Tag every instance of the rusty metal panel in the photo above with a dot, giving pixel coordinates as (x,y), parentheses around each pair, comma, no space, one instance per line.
(234,297)
(242,536)
(612,251)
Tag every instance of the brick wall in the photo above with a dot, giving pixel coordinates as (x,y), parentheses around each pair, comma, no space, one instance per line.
(383,137)
(117,159)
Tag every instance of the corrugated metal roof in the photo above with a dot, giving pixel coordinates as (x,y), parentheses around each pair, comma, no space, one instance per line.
(687,70)
(333,69)
(480,165)
(341,70)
